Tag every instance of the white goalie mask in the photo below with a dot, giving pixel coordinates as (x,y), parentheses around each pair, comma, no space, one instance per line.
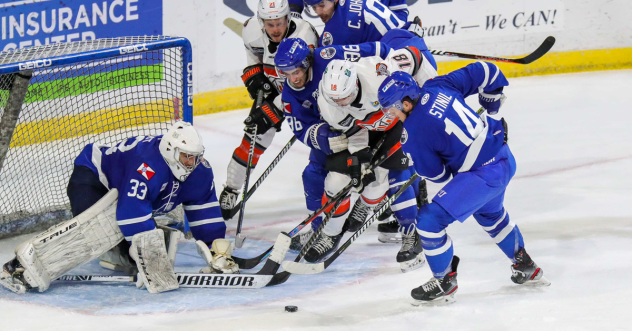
(339,85)
(182,148)
(272,9)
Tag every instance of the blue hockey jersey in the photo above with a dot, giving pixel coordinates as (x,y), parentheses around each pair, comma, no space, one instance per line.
(300,106)
(359,21)
(444,135)
(148,188)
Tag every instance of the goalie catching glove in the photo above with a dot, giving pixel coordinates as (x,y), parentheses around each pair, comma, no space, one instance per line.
(265,117)
(256,80)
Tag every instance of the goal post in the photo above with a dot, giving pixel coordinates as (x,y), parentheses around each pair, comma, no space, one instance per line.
(55,99)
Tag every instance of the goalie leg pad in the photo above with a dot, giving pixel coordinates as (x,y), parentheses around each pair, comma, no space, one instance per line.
(154,266)
(71,243)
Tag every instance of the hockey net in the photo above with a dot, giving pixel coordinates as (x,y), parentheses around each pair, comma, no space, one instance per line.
(96,91)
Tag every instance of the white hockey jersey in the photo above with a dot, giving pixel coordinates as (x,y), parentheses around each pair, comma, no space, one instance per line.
(260,49)
(365,112)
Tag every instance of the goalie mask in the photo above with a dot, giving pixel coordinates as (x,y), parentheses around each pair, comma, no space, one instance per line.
(182,148)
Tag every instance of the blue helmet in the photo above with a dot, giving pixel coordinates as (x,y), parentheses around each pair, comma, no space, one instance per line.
(395,88)
(292,53)
(313,2)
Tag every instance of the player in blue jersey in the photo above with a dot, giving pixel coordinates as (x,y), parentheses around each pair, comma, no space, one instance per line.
(357,21)
(303,68)
(447,139)
(152,175)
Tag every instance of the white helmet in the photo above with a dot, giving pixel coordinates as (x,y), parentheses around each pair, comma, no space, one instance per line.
(182,142)
(272,9)
(340,81)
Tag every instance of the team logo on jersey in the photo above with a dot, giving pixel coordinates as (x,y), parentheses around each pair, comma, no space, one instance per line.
(315,95)
(287,107)
(375,103)
(334,87)
(425,98)
(404,137)
(327,53)
(205,163)
(146,171)
(382,69)
(307,103)
(328,39)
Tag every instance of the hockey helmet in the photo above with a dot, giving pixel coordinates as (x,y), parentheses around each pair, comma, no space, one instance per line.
(272,9)
(309,6)
(339,85)
(182,148)
(395,88)
(292,54)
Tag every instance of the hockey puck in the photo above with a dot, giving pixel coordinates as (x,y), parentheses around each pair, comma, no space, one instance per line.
(291,309)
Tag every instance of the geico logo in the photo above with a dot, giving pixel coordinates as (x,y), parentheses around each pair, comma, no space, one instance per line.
(133,49)
(190,83)
(35,64)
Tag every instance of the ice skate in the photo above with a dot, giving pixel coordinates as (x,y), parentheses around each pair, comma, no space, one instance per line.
(437,291)
(227,201)
(322,247)
(526,272)
(358,215)
(389,232)
(411,256)
(12,277)
(300,239)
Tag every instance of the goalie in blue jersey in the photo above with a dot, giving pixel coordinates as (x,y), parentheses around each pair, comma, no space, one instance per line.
(447,139)
(115,193)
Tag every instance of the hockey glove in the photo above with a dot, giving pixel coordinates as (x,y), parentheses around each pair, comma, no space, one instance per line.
(255,80)
(491,101)
(265,117)
(322,138)
(360,176)
(415,27)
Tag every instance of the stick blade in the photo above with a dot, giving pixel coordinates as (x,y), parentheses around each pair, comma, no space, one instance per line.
(544,48)
(239,240)
(303,268)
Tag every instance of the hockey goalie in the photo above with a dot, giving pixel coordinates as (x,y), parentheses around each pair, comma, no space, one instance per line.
(115,193)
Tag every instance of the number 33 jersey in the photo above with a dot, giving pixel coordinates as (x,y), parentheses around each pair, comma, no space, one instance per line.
(147,187)
(444,135)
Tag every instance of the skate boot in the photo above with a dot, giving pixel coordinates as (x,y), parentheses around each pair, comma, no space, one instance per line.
(526,272)
(437,291)
(358,215)
(227,202)
(300,239)
(322,247)
(389,232)
(12,277)
(411,256)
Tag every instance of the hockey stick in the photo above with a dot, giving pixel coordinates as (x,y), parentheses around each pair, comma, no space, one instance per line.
(249,263)
(546,45)
(239,239)
(305,268)
(265,277)
(265,174)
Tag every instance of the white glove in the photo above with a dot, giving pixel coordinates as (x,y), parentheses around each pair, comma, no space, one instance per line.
(338,144)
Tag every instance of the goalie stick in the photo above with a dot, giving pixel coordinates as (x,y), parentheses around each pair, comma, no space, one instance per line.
(313,268)
(249,263)
(544,48)
(265,277)
(239,239)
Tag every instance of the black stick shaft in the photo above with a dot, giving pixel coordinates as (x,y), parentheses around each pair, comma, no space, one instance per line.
(546,45)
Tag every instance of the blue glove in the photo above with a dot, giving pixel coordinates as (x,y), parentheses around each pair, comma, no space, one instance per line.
(322,138)
(491,101)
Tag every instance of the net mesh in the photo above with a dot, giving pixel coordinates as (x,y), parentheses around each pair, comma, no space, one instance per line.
(67,107)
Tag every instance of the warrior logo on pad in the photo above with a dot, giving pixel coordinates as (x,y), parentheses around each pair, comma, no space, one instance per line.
(146,171)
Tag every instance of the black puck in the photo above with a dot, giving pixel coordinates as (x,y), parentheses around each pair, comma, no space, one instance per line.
(291,309)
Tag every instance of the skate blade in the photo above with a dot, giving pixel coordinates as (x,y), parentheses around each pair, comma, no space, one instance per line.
(543,281)
(116,267)
(7,281)
(389,238)
(442,301)
(415,264)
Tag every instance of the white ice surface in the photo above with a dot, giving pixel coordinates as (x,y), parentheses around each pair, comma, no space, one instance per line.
(571,198)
